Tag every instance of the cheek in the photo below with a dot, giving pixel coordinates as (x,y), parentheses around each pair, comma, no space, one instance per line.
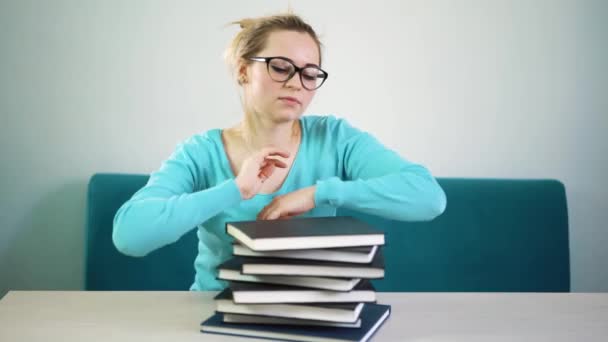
(265,87)
(308,98)
(262,91)
(264,96)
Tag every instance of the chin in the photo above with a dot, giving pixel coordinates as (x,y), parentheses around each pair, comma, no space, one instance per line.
(287,115)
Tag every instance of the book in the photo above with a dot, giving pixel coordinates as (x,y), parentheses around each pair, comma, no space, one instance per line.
(231,270)
(254,319)
(363,255)
(296,267)
(372,318)
(329,312)
(253,293)
(304,233)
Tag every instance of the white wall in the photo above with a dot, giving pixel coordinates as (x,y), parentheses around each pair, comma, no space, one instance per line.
(513,89)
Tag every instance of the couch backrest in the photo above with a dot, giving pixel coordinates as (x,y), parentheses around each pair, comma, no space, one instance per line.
(168,268)
(495,235)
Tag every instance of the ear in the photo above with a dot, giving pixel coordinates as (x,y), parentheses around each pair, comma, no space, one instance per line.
(242,76)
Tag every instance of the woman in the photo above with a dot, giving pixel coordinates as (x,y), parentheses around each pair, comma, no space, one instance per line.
(275,164)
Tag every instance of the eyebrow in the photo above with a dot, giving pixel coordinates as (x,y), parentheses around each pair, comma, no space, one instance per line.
(305,65)
(312,64)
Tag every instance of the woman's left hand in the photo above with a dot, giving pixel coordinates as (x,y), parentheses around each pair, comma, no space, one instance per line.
(289,205)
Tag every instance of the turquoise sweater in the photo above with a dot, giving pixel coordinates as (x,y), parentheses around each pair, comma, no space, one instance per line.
(195,187)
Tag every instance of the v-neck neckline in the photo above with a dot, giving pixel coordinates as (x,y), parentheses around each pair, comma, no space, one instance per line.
(228,167)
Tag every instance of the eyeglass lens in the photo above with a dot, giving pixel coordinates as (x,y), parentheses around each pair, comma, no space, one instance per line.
(281,70)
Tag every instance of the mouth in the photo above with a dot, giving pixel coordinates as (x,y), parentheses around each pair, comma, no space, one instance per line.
(289,99)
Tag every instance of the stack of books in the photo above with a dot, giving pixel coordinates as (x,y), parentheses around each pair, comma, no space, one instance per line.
(304,279)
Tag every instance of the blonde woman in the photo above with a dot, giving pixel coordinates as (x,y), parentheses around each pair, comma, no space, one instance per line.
(275,164)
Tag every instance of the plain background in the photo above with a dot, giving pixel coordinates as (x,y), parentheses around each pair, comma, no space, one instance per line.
(469,88)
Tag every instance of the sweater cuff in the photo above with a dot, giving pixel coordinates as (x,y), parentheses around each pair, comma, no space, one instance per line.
(329,192)
(231,191)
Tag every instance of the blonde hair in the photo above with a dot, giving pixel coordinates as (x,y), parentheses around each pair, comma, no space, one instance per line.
(254,34)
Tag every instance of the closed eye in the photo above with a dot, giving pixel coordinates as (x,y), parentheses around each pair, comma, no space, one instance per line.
(279,70)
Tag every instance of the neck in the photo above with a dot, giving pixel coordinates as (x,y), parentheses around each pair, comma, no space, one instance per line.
(258,133)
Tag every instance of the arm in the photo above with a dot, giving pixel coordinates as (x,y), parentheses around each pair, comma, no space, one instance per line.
(167,207)
(378,181)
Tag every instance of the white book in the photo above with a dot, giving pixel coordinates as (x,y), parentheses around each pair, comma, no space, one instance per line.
(250,293)
(331,312)
(232,270)
(361,255)
(255,319)
(313,268)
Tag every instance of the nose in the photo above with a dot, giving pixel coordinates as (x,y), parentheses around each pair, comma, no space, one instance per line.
(294,82)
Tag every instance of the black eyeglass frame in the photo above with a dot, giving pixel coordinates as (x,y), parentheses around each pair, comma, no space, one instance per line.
(323,75)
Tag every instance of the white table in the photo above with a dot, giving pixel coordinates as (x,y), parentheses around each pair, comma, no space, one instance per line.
(175,316)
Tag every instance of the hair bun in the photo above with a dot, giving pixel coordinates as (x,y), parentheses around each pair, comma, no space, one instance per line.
(245,23)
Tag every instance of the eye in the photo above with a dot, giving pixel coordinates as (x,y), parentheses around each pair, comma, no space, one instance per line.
(279,69)
(310,74)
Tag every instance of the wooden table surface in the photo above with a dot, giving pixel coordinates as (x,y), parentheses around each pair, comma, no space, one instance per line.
(175,316)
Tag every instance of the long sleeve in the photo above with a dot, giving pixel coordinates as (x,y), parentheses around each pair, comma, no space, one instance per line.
(168,206)
(376,180)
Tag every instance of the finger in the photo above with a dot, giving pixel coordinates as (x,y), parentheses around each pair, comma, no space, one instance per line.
(273,215)
(274,151)
(263,216)
(270,207)
(276,162)
(266,171)
(263,212)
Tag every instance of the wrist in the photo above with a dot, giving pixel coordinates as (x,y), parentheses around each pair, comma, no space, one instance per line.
(245,194)
(313,191)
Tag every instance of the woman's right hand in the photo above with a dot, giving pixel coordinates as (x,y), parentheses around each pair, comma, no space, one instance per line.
(257,168)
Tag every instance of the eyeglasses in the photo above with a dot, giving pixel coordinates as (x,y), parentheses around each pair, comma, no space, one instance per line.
(282,69)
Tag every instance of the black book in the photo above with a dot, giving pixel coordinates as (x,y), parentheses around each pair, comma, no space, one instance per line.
(329,312)
(232,270)
(362,255)
(278,266)
(372,318)
(304,233)
(252,293)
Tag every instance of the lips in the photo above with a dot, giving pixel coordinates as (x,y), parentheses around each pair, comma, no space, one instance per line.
(290,99)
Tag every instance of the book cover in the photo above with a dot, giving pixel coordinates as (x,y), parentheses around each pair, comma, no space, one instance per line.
(304,233)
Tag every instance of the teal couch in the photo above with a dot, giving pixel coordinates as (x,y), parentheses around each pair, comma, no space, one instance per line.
(495,235)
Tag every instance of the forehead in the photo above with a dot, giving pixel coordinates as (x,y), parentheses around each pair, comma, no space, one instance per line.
(298,46)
